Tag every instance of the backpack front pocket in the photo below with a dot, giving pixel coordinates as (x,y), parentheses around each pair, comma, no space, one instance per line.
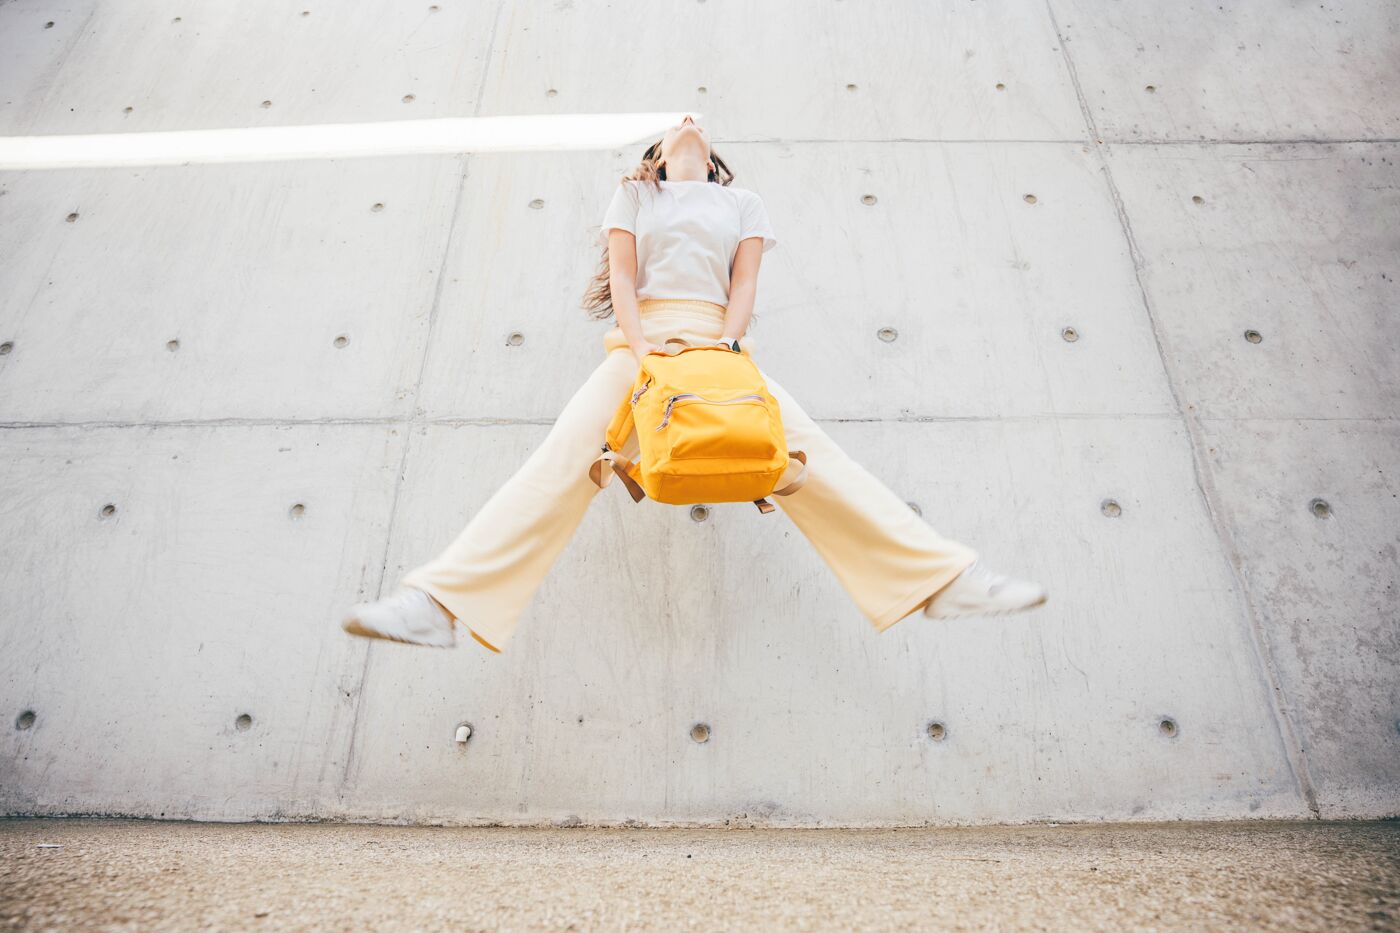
(701,428)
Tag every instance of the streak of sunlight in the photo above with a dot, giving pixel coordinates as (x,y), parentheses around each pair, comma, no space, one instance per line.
(527,133)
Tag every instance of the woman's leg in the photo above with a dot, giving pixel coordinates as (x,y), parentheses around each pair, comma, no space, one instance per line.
(488,575)
(888,559)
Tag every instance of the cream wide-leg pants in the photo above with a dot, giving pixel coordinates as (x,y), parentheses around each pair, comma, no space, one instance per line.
(886,557)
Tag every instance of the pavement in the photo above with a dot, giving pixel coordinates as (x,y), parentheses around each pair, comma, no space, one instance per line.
(106,874)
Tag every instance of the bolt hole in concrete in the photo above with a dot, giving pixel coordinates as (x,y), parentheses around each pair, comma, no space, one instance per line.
(108,510)
(551,93)
(700,732)
(172,345)
(243,723)
(377,206)
(305,12)
(71,217)
(266,104)
(342,340)
(25,720)
(868,199)
(49,24)
(297,511)
(915,507)
(1069,334)
(851,88)
(1151,89)
(408,98)
(434,8)
(1320,508)
(6,347)
(1253,336)
(536,204)
(702,90)
(515,339)
(1030,199)
(937,731)
(1111,508)
(698,513)
(175,20)
(127,109)
(887,334)
(1000,86)
(1197,199)
(1168,727)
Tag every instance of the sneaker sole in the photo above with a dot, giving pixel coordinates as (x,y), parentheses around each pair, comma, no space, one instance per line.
(353,626)
(989,612)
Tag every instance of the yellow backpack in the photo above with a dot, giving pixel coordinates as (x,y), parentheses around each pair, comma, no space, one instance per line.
(708,430)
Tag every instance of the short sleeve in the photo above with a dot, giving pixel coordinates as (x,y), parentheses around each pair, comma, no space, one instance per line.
(621,212)
(754,221)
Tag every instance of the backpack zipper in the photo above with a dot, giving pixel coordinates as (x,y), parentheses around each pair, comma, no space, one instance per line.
(637,394)
(666,417)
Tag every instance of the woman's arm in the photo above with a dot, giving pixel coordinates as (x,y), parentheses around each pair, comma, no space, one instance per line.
(622,279)
(743,287)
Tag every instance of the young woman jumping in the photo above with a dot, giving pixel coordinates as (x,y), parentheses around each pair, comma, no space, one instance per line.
(682,253)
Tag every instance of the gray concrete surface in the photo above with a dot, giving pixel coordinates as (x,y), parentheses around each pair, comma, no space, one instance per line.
(120,875)
(978,176)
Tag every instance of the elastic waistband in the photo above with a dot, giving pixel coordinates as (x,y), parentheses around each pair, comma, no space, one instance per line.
(647,305)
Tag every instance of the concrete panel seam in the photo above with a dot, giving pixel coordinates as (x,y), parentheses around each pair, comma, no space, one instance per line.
(403,456)
(451,421)
(1279,141)
(78,35)
(414,411)
(1288,733)
(459,421)
(1115,140)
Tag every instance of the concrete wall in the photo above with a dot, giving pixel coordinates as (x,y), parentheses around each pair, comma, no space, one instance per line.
(262,478)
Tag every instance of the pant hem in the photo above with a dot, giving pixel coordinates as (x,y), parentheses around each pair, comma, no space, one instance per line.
(458,611)
(918,596)
(882,622)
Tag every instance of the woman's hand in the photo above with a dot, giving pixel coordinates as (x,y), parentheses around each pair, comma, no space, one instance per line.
(640,350)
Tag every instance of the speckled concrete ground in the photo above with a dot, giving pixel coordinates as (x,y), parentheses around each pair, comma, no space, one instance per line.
(140,875)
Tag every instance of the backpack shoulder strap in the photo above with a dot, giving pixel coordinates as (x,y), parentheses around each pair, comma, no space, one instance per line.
(612,460)
(794,457)
(621,425)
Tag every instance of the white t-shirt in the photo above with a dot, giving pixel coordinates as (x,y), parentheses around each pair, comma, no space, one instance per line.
(687,234)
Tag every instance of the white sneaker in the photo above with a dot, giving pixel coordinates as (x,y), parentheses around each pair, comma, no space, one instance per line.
(410,615)
(979,591)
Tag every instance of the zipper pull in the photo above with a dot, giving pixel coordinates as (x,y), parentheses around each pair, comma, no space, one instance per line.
(666,415)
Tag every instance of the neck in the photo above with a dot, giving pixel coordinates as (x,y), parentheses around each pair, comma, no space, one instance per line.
(683,168)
